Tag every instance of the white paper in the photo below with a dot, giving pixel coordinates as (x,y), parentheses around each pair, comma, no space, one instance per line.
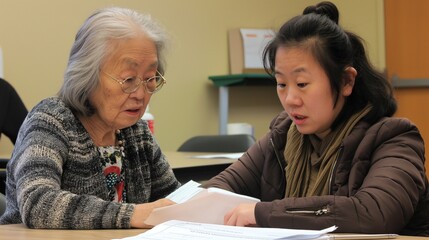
(221,155)
(185,192)
(201,205)
(181,230)
(254,42)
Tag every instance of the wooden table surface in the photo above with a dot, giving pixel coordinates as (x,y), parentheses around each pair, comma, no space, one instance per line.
(20,231)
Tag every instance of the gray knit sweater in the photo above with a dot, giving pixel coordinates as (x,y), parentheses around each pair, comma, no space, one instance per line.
(55,178)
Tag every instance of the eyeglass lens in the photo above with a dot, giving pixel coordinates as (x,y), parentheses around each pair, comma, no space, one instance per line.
(152,84)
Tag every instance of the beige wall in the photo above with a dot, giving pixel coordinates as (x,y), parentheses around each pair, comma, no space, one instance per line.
(36,37)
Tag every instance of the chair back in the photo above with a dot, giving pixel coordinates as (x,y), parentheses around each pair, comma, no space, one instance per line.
(218,143)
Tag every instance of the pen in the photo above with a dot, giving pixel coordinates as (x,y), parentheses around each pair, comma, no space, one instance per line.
(362,236)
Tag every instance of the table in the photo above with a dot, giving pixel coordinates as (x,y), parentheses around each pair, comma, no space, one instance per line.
(225,81)
(184,167)
(21,232)
(187,168)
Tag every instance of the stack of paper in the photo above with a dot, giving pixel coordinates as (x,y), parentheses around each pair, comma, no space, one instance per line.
(221,155)
(197,204)
(180,230)
(199,214)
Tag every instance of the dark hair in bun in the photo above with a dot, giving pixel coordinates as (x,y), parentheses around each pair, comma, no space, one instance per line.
(324,8)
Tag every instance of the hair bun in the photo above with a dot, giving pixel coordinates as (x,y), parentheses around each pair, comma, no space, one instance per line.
(324,8)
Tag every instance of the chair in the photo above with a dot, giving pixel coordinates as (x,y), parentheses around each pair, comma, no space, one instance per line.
(2,204)
(218,143)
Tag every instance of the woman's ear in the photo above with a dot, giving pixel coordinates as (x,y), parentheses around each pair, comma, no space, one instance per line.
(349,77)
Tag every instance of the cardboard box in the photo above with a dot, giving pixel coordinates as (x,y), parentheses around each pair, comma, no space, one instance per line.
(245,49)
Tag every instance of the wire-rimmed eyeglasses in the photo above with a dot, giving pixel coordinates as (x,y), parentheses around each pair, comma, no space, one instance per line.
(131,84)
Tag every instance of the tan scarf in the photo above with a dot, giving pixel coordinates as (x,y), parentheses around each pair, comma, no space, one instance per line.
(297,154)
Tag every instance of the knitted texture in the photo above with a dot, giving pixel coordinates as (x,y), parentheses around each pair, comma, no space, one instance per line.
(55,179)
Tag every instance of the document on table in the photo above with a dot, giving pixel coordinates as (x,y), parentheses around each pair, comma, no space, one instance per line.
(196,204)
(182,230)
(222,155)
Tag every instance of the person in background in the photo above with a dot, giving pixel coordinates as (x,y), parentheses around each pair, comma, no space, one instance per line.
(84,159)
(335,156)
(12,111)
(12,114)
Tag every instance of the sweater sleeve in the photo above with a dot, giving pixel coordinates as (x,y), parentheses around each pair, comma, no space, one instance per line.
(41,191)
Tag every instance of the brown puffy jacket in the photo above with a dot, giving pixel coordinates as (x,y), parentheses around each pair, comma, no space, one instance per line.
(378,186)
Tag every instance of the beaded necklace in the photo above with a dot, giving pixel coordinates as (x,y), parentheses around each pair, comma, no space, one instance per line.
(112,159)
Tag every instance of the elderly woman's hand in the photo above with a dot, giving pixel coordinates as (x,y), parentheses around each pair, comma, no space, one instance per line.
(142,212)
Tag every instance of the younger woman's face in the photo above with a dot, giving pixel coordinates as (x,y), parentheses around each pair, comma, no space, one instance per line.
(305,92)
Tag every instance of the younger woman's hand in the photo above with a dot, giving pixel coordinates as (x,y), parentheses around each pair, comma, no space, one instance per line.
(242,215)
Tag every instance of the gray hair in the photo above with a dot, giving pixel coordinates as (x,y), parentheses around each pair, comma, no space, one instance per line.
(91,47)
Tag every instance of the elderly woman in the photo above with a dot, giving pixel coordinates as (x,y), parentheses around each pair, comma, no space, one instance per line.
(84,159)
